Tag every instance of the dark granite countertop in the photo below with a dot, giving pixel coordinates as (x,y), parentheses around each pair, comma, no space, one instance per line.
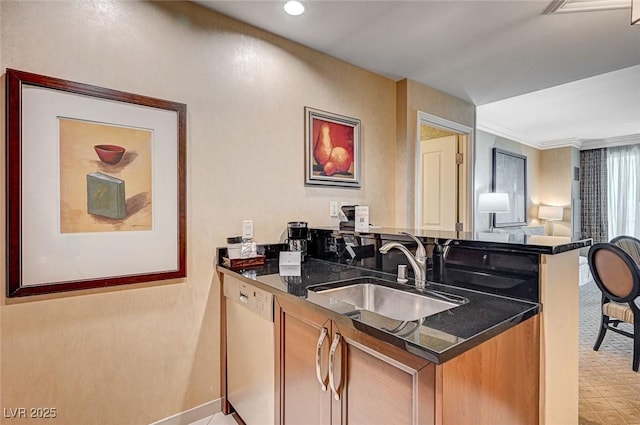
(500,240)
(437,338)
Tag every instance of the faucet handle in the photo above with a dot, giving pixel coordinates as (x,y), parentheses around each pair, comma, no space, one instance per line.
(420,251)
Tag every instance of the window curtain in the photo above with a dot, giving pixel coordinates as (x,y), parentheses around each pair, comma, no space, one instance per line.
(623,170)
(593,193)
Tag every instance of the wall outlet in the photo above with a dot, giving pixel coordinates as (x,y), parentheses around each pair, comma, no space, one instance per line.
(333,209)
(247,229)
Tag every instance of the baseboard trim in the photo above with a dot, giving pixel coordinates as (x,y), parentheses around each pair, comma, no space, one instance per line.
(192,415)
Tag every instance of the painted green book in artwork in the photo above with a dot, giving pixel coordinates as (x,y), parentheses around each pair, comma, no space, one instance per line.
(105,195)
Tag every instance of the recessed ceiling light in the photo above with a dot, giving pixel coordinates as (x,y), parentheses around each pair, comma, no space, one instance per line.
(294,7)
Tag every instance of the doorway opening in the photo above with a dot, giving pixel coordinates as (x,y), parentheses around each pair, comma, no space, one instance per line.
(444,174)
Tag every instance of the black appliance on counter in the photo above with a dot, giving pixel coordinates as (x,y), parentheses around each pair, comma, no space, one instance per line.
(298,237)
(349,212)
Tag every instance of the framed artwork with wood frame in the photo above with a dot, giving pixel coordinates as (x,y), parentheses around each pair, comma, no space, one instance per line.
(332,149)
(96,186)
(510,176)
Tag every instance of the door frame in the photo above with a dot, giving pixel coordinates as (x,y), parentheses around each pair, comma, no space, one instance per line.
(465,178)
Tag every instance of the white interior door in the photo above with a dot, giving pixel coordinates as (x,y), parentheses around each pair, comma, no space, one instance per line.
(439,183)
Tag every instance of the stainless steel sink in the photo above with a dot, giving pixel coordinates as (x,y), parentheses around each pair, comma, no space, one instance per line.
(396,304)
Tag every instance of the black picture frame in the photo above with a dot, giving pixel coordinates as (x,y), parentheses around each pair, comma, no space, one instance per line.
(510,176)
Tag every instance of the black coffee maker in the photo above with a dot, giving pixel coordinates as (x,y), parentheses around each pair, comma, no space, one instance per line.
(297,237)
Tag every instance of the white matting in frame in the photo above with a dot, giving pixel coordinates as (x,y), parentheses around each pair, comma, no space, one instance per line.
(51,256)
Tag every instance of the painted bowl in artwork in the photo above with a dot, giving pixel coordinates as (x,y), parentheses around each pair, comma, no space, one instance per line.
(109,154)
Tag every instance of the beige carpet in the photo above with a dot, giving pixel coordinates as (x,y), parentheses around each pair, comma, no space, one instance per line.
(609,388)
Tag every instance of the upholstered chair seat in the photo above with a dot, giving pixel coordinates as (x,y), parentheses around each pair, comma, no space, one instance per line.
(618,311)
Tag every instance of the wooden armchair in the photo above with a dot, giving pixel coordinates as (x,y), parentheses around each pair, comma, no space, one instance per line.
(618,278)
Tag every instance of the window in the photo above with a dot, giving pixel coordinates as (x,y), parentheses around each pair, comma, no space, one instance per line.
(623,170)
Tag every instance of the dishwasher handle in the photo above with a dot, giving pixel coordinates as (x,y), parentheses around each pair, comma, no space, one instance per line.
(323,381)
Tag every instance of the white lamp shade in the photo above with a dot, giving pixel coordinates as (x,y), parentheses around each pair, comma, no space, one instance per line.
(493,203)
(546,212)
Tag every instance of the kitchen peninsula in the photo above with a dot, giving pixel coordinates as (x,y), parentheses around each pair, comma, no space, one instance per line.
(493,359)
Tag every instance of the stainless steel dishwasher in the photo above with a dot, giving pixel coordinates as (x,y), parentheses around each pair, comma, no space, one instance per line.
(250,351)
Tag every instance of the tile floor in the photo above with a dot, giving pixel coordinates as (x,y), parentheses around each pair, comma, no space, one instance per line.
(609,388)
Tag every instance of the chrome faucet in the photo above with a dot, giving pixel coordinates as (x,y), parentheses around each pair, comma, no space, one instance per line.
(418,261)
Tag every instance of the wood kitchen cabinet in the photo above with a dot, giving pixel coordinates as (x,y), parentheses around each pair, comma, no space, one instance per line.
(372,387)
(376,383)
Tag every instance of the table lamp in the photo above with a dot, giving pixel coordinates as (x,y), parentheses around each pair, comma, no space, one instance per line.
(493,203)
(551,214)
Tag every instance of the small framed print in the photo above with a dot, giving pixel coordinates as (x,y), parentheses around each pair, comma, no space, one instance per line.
(332,149)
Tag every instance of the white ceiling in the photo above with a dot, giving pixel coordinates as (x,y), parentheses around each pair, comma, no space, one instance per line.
(598,111)
(491,53)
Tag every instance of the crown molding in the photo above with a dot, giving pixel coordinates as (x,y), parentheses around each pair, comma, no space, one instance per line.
(562,143)
(609,142)
(582,144)
(493,128)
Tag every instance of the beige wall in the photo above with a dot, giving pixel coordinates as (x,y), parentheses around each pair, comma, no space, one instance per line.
(556,176)
(556,180)
(428,133)
(403,160)
(411,98)
(136,355)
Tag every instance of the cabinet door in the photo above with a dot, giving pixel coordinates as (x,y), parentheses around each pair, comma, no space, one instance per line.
(380,384)
(496,382)
(302,364)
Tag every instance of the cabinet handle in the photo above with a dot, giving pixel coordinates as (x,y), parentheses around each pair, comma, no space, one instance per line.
(323,382)
(332,360)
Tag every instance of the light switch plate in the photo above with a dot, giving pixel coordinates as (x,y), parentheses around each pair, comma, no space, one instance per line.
(333,209)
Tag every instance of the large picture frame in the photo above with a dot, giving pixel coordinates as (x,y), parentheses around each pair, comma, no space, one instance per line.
(96,186)
(332,149)
(510,176)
